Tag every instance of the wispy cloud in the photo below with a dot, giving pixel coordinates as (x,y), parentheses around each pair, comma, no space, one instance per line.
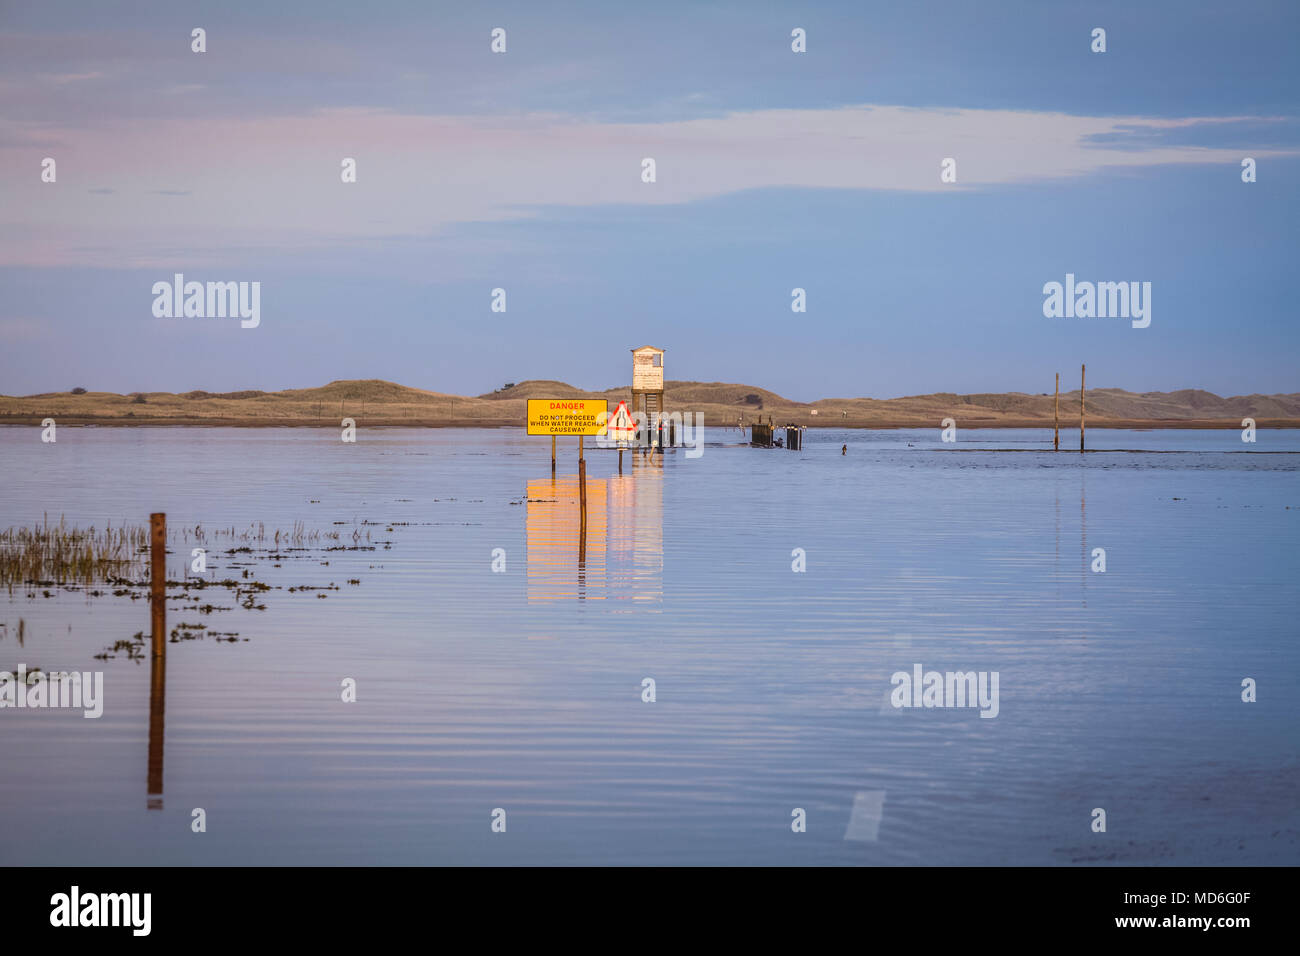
(277,180)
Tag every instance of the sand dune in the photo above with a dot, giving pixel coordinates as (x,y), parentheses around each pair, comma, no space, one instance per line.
(377,402)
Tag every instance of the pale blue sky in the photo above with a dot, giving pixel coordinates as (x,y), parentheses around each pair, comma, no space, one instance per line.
(776,170)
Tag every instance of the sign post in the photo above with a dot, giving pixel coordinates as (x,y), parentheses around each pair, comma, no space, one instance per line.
(569,416)
(621,429)
(582,485)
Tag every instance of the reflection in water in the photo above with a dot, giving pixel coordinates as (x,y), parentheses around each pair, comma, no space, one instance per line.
(619,554)
(636,532)
(158,666)
(563,561)
(1085,556)
(1083,532)
(474,716)
(157,714)
(1056,488)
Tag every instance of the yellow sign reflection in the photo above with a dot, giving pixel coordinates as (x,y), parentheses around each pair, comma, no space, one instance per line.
(619,557)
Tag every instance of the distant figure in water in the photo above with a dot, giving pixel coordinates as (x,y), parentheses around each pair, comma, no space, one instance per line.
(844,450)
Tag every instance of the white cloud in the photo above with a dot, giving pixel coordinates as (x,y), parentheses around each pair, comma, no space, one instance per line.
(275,183)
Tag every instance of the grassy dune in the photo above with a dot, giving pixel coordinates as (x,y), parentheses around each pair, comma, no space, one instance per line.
(377,402)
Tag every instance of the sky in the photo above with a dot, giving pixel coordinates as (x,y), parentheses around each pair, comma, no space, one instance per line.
(775,170)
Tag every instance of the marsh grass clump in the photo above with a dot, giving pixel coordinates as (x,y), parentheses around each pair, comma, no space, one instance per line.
(132,648)
(46,559)
(47,555)
(56,554)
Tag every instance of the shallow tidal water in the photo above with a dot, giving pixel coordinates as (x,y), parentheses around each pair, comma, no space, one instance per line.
(521,689)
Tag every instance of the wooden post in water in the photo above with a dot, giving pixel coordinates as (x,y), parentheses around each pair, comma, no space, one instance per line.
(1083,377)
(158,581)
(552,454)
(620,460)
(582,485)
(1056,416)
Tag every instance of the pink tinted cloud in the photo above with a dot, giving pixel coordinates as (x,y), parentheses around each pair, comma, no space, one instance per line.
(239,184)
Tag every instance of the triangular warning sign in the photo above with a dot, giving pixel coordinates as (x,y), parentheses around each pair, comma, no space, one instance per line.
(620,426)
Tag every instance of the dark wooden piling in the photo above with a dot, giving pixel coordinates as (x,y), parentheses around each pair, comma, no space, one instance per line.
(582,487)
(582,561)
(1056,416)
(552,454)
(158,581)
(1083,378)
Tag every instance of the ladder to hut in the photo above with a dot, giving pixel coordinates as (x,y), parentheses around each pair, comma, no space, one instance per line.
(654,406)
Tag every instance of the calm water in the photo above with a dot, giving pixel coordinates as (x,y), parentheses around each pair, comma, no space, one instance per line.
(522,689)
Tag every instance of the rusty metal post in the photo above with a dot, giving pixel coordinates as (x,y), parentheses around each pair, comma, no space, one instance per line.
(158,581)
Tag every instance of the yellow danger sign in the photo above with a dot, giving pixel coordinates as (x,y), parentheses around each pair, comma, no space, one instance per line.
(567,416)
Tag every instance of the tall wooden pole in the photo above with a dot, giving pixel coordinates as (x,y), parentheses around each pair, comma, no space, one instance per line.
(582,523)
(1056,416)
(1083,377)
(582,485)
(158,581)
(552,454)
